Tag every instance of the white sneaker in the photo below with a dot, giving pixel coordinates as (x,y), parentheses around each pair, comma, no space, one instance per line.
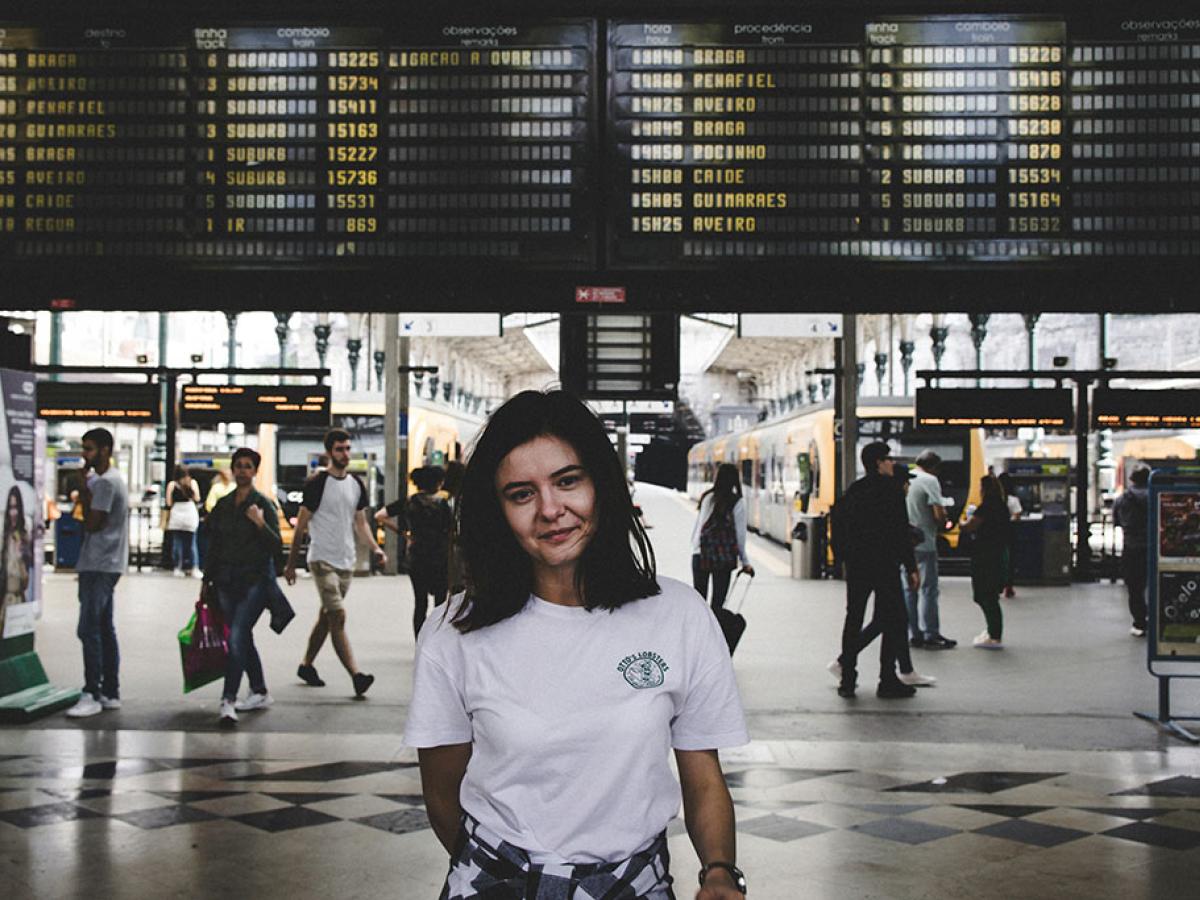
(915,679)
(1137,632)
(835,669)
(195,573)
(986,642)
(228,714)
(86,706)
(253,701)
(178,573)
(110,702)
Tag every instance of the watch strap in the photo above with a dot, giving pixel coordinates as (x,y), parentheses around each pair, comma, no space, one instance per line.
(739,879)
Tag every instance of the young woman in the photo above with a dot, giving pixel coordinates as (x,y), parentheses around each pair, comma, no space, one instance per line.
(16,554)
(425,518)
(719,536)
(243,543)
(547,699)
(183,501)
(990,525)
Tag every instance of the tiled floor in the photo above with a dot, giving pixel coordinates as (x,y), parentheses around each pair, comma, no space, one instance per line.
(832,827)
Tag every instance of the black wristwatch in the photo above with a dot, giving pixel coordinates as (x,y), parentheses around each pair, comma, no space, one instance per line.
(739,880)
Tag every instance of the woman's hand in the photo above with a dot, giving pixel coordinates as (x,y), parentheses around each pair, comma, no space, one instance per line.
(748,569)
(718,885)
(255,515)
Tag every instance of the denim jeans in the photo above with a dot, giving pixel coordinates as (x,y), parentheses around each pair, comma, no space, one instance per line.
(183,550)
(928,625)
(101,658)
(242,604)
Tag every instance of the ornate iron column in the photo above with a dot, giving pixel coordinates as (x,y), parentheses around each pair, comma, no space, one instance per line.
(354,346)
(906,361)
(282,327)
(1031,320)
(938,333)
(881,361)
(321,331)
(231,352)
(978,336)
(826,386)
(861,372)
(379,358)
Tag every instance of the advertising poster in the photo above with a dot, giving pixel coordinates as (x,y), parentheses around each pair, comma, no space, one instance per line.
(1179,527)
(20,550)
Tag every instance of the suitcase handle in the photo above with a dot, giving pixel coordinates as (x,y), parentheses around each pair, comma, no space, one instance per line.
(745,589)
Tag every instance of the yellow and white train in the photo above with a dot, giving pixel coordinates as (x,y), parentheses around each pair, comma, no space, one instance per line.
(787,463)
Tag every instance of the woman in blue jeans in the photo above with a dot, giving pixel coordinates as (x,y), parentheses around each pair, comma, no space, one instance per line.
(243,543)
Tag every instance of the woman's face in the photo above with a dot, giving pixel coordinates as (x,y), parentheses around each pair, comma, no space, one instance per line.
(244,471)
(549,501)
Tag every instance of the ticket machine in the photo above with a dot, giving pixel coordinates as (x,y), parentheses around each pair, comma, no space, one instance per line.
(1042,536)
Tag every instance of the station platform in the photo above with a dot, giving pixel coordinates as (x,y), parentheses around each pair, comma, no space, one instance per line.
(1022,773)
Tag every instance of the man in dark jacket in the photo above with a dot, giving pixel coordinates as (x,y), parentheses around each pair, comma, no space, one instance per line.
(872,541)
(1132,513)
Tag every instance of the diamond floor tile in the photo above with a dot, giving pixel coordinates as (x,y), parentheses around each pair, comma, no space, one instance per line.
(976,782)
(904,831)
(287,819)
(1179,786)
(165,816)
(780,828)
(401,821)
(1034,833)
(1004,809)
(48,814)
(327,772)
(1157,835)
(775,777)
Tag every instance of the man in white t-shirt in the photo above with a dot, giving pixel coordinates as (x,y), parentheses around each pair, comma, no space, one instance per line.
(927,511)
(332,512)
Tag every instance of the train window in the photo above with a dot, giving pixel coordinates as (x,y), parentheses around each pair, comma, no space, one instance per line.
(747,472)
(762,475)
(804,466)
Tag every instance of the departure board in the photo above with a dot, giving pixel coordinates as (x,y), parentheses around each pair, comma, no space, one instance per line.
(735,141)
(994,408)
(1132,408)
(288,404)
(80,401)
(965,121)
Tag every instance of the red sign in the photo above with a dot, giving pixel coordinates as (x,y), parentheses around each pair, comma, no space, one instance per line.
(61,303)
(599,295)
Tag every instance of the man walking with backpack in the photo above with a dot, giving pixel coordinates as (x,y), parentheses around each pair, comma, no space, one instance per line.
(333,509)
(872,540)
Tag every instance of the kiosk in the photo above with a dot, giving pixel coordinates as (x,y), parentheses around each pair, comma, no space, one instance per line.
(1173,601)
(1042,536)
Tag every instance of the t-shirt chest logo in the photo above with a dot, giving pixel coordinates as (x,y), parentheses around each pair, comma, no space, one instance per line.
(645,669)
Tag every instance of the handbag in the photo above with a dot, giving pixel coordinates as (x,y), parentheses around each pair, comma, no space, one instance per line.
(718,544)
(203,644)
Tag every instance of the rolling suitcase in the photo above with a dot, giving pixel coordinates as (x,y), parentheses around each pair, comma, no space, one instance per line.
(733,624)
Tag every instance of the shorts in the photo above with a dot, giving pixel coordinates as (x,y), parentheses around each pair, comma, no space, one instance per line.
(332,583)
(483,865)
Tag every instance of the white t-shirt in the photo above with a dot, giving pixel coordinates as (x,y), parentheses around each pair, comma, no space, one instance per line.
(573,716)
(331,530)
(739,525)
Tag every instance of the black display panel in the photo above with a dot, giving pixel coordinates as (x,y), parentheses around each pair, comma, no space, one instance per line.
(89,401)
(735,141)
(1168,408)
(258,145)
(994,407)
(290,404)
(966,129)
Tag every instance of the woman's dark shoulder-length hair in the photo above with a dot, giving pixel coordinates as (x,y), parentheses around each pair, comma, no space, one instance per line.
(617,566)
(14,492)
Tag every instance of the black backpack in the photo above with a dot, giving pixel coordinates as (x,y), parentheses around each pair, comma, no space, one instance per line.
(429,523)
